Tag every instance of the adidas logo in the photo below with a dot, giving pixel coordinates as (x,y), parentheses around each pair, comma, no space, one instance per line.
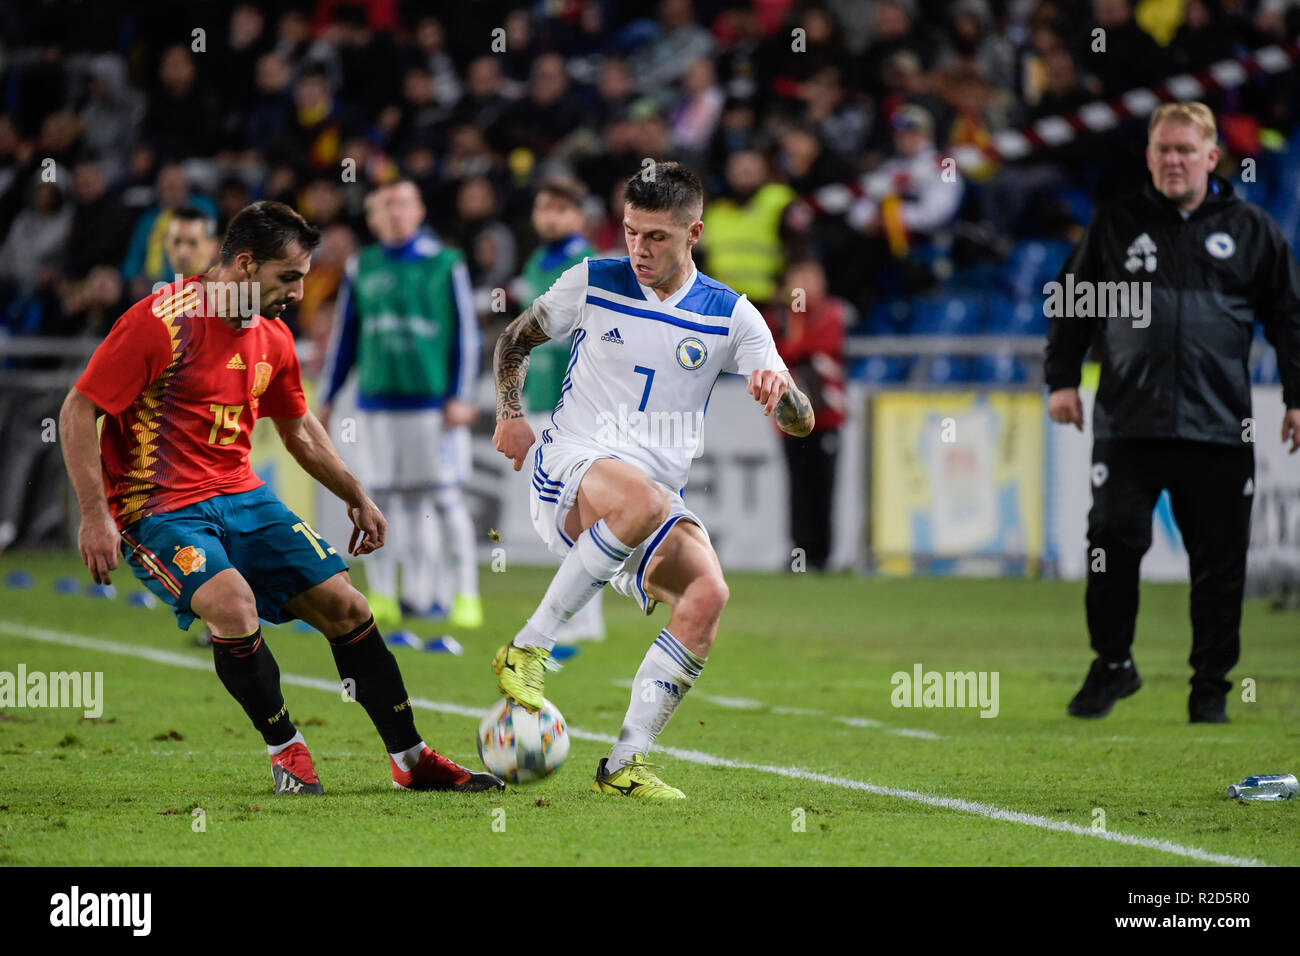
(612,336)
(236,363)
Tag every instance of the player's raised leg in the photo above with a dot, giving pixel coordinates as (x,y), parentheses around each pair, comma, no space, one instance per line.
(246,667)
(683,573)
(617,507)
(340,612)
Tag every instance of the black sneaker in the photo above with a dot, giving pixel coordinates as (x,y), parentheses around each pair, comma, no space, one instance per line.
(1105,684)
(1207,706)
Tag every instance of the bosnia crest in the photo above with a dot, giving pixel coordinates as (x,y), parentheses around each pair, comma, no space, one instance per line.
(691,353)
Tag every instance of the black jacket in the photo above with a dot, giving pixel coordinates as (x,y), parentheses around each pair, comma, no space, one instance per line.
(1186,374)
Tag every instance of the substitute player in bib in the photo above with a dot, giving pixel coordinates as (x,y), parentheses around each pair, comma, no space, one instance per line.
(406,320)
(181,379)
(649,337)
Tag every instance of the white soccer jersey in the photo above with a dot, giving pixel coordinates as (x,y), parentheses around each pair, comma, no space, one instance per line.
(641,369)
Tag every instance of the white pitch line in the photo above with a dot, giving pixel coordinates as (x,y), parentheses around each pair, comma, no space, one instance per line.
(746,703)
(734,703)
(985,810)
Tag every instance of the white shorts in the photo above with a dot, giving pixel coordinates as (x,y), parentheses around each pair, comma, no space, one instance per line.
(404,451)
(558,470)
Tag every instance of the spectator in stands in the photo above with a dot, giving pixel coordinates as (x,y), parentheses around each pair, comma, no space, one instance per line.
(1205,37)
(89,307)
(232,195)
(267,112)
(894,30)
(743,239)
(316,128)
(100,225)
(613,94)
(431,50)
(841,124)
(803,162)
(912,196)
(681,41)
(245,41)
(182,118)
(487,242)
(191,241)
(549,112)
(30,254)
(111,115)
(484,105)
(320,287)
(1131,58)
(696,114)
(972,41)
(808,327)
(146,258)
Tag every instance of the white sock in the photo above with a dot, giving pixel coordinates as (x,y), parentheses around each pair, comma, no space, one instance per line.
(595,558)
(422,542)
(381,565)
(407,759)
(459,525)
(297,738)
(587,623)
(668,671)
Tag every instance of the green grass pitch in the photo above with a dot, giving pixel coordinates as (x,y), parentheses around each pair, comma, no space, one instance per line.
(795,705)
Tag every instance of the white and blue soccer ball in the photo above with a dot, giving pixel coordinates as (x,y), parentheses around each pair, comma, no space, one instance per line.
(520,747)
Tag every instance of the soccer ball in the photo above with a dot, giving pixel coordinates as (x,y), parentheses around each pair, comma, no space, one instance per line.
(520,747)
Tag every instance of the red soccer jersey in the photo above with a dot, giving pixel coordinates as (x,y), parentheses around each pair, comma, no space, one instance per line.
(182,391)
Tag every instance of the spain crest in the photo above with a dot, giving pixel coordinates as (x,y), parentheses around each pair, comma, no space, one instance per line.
(190,558)
(261,378)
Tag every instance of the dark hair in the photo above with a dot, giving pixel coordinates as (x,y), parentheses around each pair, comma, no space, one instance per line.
(266,229)
(562,187)
(194,214)
(665,187)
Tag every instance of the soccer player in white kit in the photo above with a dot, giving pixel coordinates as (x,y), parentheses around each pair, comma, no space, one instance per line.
(649,337)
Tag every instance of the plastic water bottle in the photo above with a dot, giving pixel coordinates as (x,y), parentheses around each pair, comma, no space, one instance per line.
(1272,786)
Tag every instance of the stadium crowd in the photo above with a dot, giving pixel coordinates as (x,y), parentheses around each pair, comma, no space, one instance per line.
(118,119)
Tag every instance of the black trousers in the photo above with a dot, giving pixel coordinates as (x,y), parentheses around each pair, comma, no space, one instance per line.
(811,462)
(1211,488)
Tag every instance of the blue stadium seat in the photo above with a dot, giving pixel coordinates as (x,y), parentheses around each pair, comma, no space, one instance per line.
(880,369)
(951,370)
(1031,263)
(948,315)
(1002,369)
(1080,205)
(1263,368)
(889,317)
(976,280)
(1008,316)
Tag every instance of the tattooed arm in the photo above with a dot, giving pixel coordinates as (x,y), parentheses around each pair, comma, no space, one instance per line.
(514,436)
(779,396)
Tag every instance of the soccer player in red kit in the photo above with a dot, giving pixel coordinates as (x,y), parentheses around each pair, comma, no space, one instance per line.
(181,379)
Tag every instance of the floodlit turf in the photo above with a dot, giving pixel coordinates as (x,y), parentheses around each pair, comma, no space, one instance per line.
(121,789)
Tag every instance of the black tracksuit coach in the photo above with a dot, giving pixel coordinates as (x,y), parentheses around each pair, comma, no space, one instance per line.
(1173,407)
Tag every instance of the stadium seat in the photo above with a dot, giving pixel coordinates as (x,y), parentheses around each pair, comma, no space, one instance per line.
(889,317)
(948,315)
(1000,369)
(1008,316)
(951,370)
(1263,367)
(881,369)
(1031,264)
